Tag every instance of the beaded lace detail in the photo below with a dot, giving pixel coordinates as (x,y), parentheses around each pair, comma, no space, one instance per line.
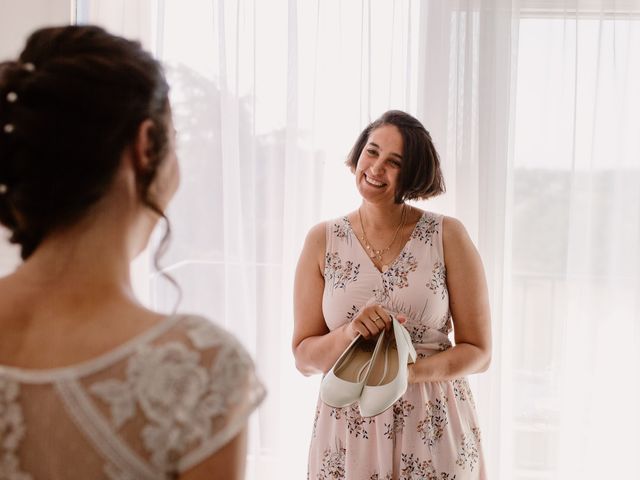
(152,408)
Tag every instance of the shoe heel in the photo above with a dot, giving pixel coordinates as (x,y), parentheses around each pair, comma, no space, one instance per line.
(412,351)
(412,354)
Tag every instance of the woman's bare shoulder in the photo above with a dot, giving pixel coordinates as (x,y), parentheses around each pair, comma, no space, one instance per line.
(453,228)
(318,233)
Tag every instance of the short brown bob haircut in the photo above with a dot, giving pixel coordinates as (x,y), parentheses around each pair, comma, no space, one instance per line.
(420,174)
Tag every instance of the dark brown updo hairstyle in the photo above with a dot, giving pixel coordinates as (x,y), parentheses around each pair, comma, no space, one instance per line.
(420,174)
(69,106)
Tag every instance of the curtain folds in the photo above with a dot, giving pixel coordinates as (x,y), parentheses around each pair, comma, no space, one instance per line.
(534,110)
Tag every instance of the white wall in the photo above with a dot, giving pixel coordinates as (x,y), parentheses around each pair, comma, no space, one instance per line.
(18,18)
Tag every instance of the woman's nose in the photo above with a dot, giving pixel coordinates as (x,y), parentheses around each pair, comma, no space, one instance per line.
(377,167)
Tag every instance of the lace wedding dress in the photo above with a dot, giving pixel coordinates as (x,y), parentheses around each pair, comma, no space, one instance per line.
(150,409)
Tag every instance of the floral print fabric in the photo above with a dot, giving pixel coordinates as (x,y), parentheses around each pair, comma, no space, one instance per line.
(432,431)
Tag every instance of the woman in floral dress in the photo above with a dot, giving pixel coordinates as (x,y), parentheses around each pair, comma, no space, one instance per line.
(391,258)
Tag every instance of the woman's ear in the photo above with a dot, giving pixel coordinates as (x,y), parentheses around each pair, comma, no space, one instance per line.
(143,148)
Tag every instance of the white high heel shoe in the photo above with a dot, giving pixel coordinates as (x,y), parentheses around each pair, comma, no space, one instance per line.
(388,377)
(343,384)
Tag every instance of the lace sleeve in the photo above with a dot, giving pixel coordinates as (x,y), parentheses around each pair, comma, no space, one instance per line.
(233,393)
(182,397)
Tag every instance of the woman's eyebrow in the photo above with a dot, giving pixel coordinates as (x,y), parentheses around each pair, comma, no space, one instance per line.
(373,144)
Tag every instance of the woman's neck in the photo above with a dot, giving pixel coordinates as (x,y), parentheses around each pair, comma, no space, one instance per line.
(91,256)
(382,217)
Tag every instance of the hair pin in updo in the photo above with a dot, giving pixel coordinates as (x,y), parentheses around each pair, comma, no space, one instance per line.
(3,189)
(29,67)
(12,97)
(8,128)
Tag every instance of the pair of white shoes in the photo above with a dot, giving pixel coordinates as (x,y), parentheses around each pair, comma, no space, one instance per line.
(373,372)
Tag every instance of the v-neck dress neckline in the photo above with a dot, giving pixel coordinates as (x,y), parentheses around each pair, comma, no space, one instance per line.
(433,430)
(397,257)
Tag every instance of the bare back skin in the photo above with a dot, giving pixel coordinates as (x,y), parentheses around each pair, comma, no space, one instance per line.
(72,300)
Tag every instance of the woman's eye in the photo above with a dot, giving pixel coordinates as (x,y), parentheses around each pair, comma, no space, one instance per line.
(371,152)
(395,163)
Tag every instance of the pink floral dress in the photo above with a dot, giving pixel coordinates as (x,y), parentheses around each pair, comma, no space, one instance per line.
(432,431)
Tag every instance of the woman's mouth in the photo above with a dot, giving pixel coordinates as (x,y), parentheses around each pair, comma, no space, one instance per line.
(373,182)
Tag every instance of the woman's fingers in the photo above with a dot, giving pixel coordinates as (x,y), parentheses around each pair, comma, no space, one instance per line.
(377,319)
(374,325)
(360,327)
(379,322)
(382,316)
(371,321)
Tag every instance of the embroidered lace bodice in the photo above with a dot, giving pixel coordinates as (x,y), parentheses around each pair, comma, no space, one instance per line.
(150,409)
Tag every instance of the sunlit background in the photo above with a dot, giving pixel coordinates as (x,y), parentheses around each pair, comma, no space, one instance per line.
(534,107)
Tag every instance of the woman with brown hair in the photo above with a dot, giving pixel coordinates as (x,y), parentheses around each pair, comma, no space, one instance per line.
(358,278)
(92,384)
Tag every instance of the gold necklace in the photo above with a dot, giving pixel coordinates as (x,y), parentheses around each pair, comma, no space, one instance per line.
(377,255)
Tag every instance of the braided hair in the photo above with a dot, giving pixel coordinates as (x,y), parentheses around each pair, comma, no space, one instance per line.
(69,106)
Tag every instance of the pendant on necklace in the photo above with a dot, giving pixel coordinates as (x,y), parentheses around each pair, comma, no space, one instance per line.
(385,268)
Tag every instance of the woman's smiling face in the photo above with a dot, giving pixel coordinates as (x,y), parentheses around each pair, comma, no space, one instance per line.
(379,164)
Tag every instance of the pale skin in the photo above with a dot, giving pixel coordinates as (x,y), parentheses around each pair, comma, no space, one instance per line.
(316,348)
(74,293)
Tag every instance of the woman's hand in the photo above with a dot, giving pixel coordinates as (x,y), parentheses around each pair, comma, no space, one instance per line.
(370,322)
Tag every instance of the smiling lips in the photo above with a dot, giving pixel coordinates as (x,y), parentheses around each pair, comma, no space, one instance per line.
(373,182)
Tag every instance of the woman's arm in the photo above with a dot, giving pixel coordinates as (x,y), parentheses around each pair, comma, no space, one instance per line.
(228,462)
(469,304)
(314,347)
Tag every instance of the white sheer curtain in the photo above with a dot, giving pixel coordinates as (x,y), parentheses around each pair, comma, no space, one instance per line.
(467,78)
(576,243)
(534,109)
